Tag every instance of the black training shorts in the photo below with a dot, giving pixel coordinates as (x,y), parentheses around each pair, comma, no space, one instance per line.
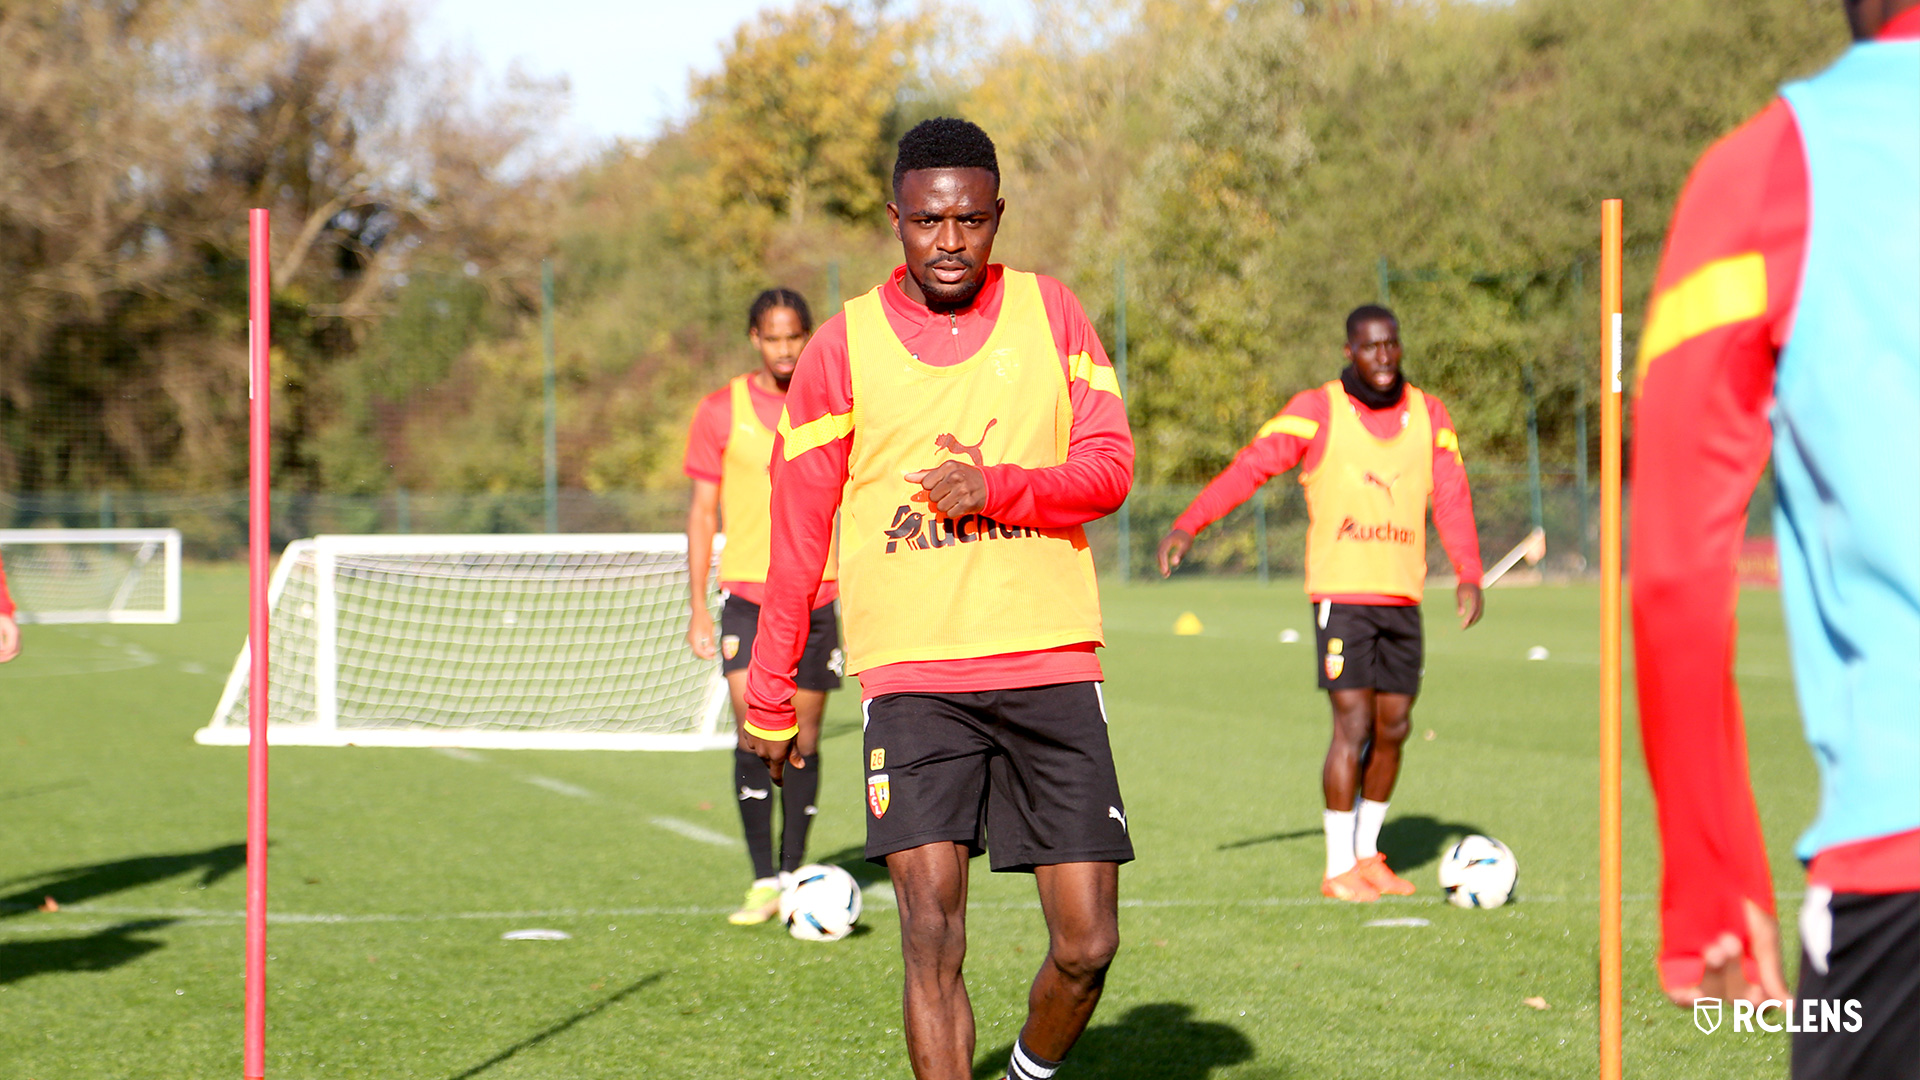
(820,664)
(1873,961)
(1026,774)
(1369,647)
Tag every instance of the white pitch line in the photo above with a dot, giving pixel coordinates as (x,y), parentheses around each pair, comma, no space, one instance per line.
(459,753)
(694,832)
(560,787)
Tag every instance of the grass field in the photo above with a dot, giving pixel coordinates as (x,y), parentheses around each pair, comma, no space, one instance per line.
(395,873)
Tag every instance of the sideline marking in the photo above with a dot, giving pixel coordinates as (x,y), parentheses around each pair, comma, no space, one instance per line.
(695,832)
(560,787)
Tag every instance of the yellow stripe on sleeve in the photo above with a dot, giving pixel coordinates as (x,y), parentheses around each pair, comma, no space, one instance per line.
(783,735)
(814,433)
(1095,376)
(1286,424)
(1445,439)
(1721,293)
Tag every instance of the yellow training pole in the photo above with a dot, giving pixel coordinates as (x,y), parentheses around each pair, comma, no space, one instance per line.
(1610,640)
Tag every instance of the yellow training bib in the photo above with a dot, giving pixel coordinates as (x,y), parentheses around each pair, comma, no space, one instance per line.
(1367,504)
(746,492)
(918,586)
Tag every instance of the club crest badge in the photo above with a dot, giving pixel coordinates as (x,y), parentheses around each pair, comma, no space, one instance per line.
(1336,663)
(1706,1015)
(730,646)
(877,759)
(879,794)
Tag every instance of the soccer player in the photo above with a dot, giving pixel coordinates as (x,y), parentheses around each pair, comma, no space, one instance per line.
(1787,294)
(973,422)
(728,450)
(1372,450)
(9,629)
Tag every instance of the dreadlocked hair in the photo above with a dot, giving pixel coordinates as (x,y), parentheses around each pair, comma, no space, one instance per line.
(779,298)
(945,142)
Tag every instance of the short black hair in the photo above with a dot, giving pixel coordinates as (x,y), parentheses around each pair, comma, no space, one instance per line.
(1367,313)
(945,142)
(779,298)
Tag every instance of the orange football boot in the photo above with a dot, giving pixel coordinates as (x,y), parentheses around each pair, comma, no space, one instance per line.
(1351,886)
(1374,870)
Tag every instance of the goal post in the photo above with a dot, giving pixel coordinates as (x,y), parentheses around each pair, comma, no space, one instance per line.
(93,575)
(555,642)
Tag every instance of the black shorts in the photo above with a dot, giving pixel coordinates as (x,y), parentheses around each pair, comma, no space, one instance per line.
(821,663)
(1369,647)
(1026,774)
(1874,963)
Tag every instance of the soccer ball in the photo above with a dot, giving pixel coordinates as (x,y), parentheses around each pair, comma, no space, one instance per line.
(1478,872)
(822,904)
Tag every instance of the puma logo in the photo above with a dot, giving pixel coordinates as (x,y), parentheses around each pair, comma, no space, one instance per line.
(1114,813)
(952,445)
(752,793)
(1383,485)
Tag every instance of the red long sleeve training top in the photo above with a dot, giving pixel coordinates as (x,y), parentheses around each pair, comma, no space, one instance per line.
(1091,483)
(1701,439)
(6,600)
(1297,435)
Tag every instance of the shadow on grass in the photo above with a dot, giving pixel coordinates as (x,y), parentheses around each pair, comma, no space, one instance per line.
(587,1013)
(854,861)
(1275,838)
(1160,1041)
(1415,840)
(78,884)
(101,950)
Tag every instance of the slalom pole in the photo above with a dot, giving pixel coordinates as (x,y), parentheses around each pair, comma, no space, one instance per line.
(1610,1001)
(259,507)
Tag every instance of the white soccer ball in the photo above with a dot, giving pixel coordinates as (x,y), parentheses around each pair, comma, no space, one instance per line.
(822,904)
(1478,872)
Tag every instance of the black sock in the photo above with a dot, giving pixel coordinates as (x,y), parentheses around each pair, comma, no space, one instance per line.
(1027,1065)
(796,811)
(754,788)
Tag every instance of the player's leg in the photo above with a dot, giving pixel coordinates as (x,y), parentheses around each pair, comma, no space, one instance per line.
(752,786)
(819,674)
(1081,904)
(1859,987)
(1397,658)
(930,885)
(1345,643)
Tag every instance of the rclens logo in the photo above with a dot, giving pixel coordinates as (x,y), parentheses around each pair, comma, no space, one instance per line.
(1803,1014)
(919,531)
(1386,532)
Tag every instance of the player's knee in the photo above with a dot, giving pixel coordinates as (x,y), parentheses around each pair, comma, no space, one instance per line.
(1393,730)
(1086,956)
(931,934)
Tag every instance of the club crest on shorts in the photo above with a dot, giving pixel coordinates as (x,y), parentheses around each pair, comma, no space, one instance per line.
(877,759)
(879,794)
(730,646)
(1335,662)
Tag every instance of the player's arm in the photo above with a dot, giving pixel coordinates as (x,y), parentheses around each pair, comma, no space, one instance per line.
(1279,445)
(1721,304)
(703,522)
(9,628)
(1453,514)
(809,470)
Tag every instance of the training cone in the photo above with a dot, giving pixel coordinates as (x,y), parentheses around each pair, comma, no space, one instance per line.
(1187,625)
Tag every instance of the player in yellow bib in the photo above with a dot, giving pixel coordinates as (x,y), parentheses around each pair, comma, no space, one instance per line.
(728,450)
(1373,452)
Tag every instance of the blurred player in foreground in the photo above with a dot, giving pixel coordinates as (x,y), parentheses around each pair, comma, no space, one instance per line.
(9,629)
(1790,290)
(970,416)
(728,451)
(1373,450)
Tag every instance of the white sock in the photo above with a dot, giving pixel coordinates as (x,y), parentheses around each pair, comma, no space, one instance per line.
(1027,1065)
(1339,826)
(1366,833)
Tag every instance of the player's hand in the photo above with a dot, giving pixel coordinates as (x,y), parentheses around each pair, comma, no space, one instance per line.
(1173,548)
(1725,976)
(1468,603)
(954,488)
(700,634)
(777,753)
(9,638)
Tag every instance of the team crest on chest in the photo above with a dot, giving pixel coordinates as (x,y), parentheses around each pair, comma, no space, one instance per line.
(879,794)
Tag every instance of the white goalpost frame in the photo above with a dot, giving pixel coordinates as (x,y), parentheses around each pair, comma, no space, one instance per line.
(713,729)
(163,542)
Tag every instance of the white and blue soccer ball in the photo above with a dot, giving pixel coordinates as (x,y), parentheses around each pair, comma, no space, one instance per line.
(1478,872)
(821,904)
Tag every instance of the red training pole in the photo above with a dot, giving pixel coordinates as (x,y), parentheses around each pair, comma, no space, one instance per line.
(259,513)
(1610,361)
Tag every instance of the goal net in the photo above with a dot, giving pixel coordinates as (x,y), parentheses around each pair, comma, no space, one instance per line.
(505,642)
(93,575)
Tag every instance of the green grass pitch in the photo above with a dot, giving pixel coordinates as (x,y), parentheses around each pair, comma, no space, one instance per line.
(395,873)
